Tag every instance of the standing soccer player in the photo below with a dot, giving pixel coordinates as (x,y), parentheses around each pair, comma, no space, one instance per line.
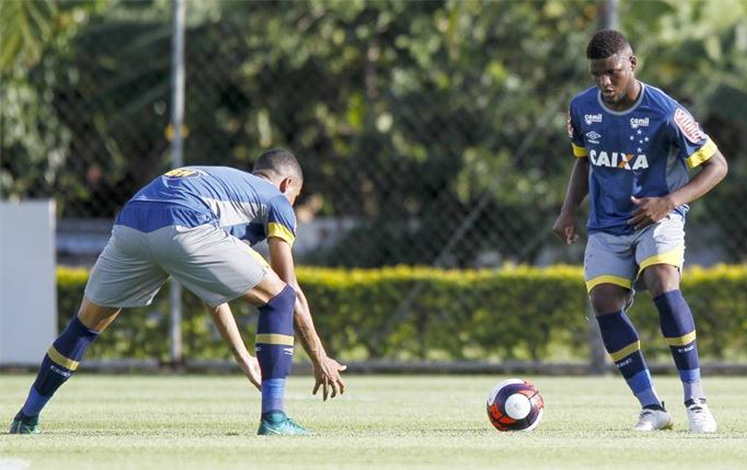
(633,146)
(189,223)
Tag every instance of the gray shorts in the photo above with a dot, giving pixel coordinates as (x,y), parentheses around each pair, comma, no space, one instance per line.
(619,259)
(213,265)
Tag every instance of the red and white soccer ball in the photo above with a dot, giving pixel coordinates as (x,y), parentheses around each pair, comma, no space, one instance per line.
(515,405)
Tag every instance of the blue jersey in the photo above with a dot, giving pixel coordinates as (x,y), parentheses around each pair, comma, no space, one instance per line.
(246,206)
(644,151)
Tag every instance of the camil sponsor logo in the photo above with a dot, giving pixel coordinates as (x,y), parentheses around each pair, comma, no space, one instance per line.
(591,118)
(635,123)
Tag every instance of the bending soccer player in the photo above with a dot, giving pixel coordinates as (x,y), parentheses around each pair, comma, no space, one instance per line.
(191,223)
(634,146)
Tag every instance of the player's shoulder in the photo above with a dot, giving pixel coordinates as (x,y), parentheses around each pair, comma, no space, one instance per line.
(221,171)
(280,203)
(234,175)
(585,98)
(661,101)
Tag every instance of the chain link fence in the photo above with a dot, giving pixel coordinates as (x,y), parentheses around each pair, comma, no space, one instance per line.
(431,133)
(412,156)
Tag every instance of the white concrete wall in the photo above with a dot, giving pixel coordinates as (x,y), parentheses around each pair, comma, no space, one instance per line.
(28,298)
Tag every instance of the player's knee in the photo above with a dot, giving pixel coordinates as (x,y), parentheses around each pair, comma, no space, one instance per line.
(276,316)
(661,278)
(95,316)
(608,298)
(284,300)
(282,303)
(267,289)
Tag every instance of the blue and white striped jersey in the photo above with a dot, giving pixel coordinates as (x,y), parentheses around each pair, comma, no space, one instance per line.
(244,205)
(644,151)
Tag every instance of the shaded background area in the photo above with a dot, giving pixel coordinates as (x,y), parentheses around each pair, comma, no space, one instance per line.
(430,132)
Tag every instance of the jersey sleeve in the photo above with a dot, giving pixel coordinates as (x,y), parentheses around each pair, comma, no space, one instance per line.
(694,145)
(574,134)
(281,220)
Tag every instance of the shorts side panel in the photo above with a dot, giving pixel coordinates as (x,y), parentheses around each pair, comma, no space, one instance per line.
(125,274)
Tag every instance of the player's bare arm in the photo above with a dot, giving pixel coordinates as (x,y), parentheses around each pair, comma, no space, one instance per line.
(326,370)
(652,209)
(578,188)
(226,324)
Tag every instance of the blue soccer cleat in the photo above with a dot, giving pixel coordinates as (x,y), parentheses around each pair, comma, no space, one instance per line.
(276,423)
(24,425)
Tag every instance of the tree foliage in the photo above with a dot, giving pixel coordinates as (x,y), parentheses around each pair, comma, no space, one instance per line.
(420,120)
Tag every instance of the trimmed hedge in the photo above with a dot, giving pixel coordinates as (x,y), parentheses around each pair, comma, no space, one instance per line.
(424,313)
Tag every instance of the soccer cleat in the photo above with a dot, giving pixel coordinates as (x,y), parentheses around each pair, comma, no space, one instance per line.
(653,420)
(24,425)
(700,417)
(278,424)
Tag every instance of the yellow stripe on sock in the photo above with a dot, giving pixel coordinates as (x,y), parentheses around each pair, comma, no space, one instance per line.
(61,360)
(626,351)
(681,340)
(275,338)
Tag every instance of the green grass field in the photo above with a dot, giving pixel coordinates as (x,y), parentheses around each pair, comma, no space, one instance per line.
(390,422)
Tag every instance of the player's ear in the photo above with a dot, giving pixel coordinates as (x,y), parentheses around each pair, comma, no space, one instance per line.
(286,184)
(633,63)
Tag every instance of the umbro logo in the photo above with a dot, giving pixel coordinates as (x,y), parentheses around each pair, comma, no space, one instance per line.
(593,137)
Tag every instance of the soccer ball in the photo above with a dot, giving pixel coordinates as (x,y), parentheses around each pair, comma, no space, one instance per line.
(515,405)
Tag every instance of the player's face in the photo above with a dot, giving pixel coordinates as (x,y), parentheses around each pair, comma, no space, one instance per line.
(614,77)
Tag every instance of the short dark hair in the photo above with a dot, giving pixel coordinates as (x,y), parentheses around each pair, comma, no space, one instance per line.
(606,43)
(279,161)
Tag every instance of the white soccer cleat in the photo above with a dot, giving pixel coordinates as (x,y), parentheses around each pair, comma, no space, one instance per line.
(701,419)
(653,420)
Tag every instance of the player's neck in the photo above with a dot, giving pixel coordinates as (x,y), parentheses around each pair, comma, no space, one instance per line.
(631,97)
(264,176)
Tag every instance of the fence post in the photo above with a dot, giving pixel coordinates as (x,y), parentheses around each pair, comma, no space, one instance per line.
(177,159)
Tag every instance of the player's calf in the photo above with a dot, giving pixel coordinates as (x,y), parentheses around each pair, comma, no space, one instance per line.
(678,327)
(274,347)
(58,365)
(624,347)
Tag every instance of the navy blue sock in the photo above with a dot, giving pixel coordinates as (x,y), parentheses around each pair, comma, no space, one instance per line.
(58,365)
(274,346)
(678,327)
(624,346)
(273,395)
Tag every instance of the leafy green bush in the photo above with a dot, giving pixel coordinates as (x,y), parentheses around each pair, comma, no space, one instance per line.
(424,313)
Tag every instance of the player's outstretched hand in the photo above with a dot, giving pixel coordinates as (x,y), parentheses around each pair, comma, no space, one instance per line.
(250,366)
(327,376)
(565,228)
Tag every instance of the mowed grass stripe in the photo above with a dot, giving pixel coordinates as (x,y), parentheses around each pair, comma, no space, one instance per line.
(390,422)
